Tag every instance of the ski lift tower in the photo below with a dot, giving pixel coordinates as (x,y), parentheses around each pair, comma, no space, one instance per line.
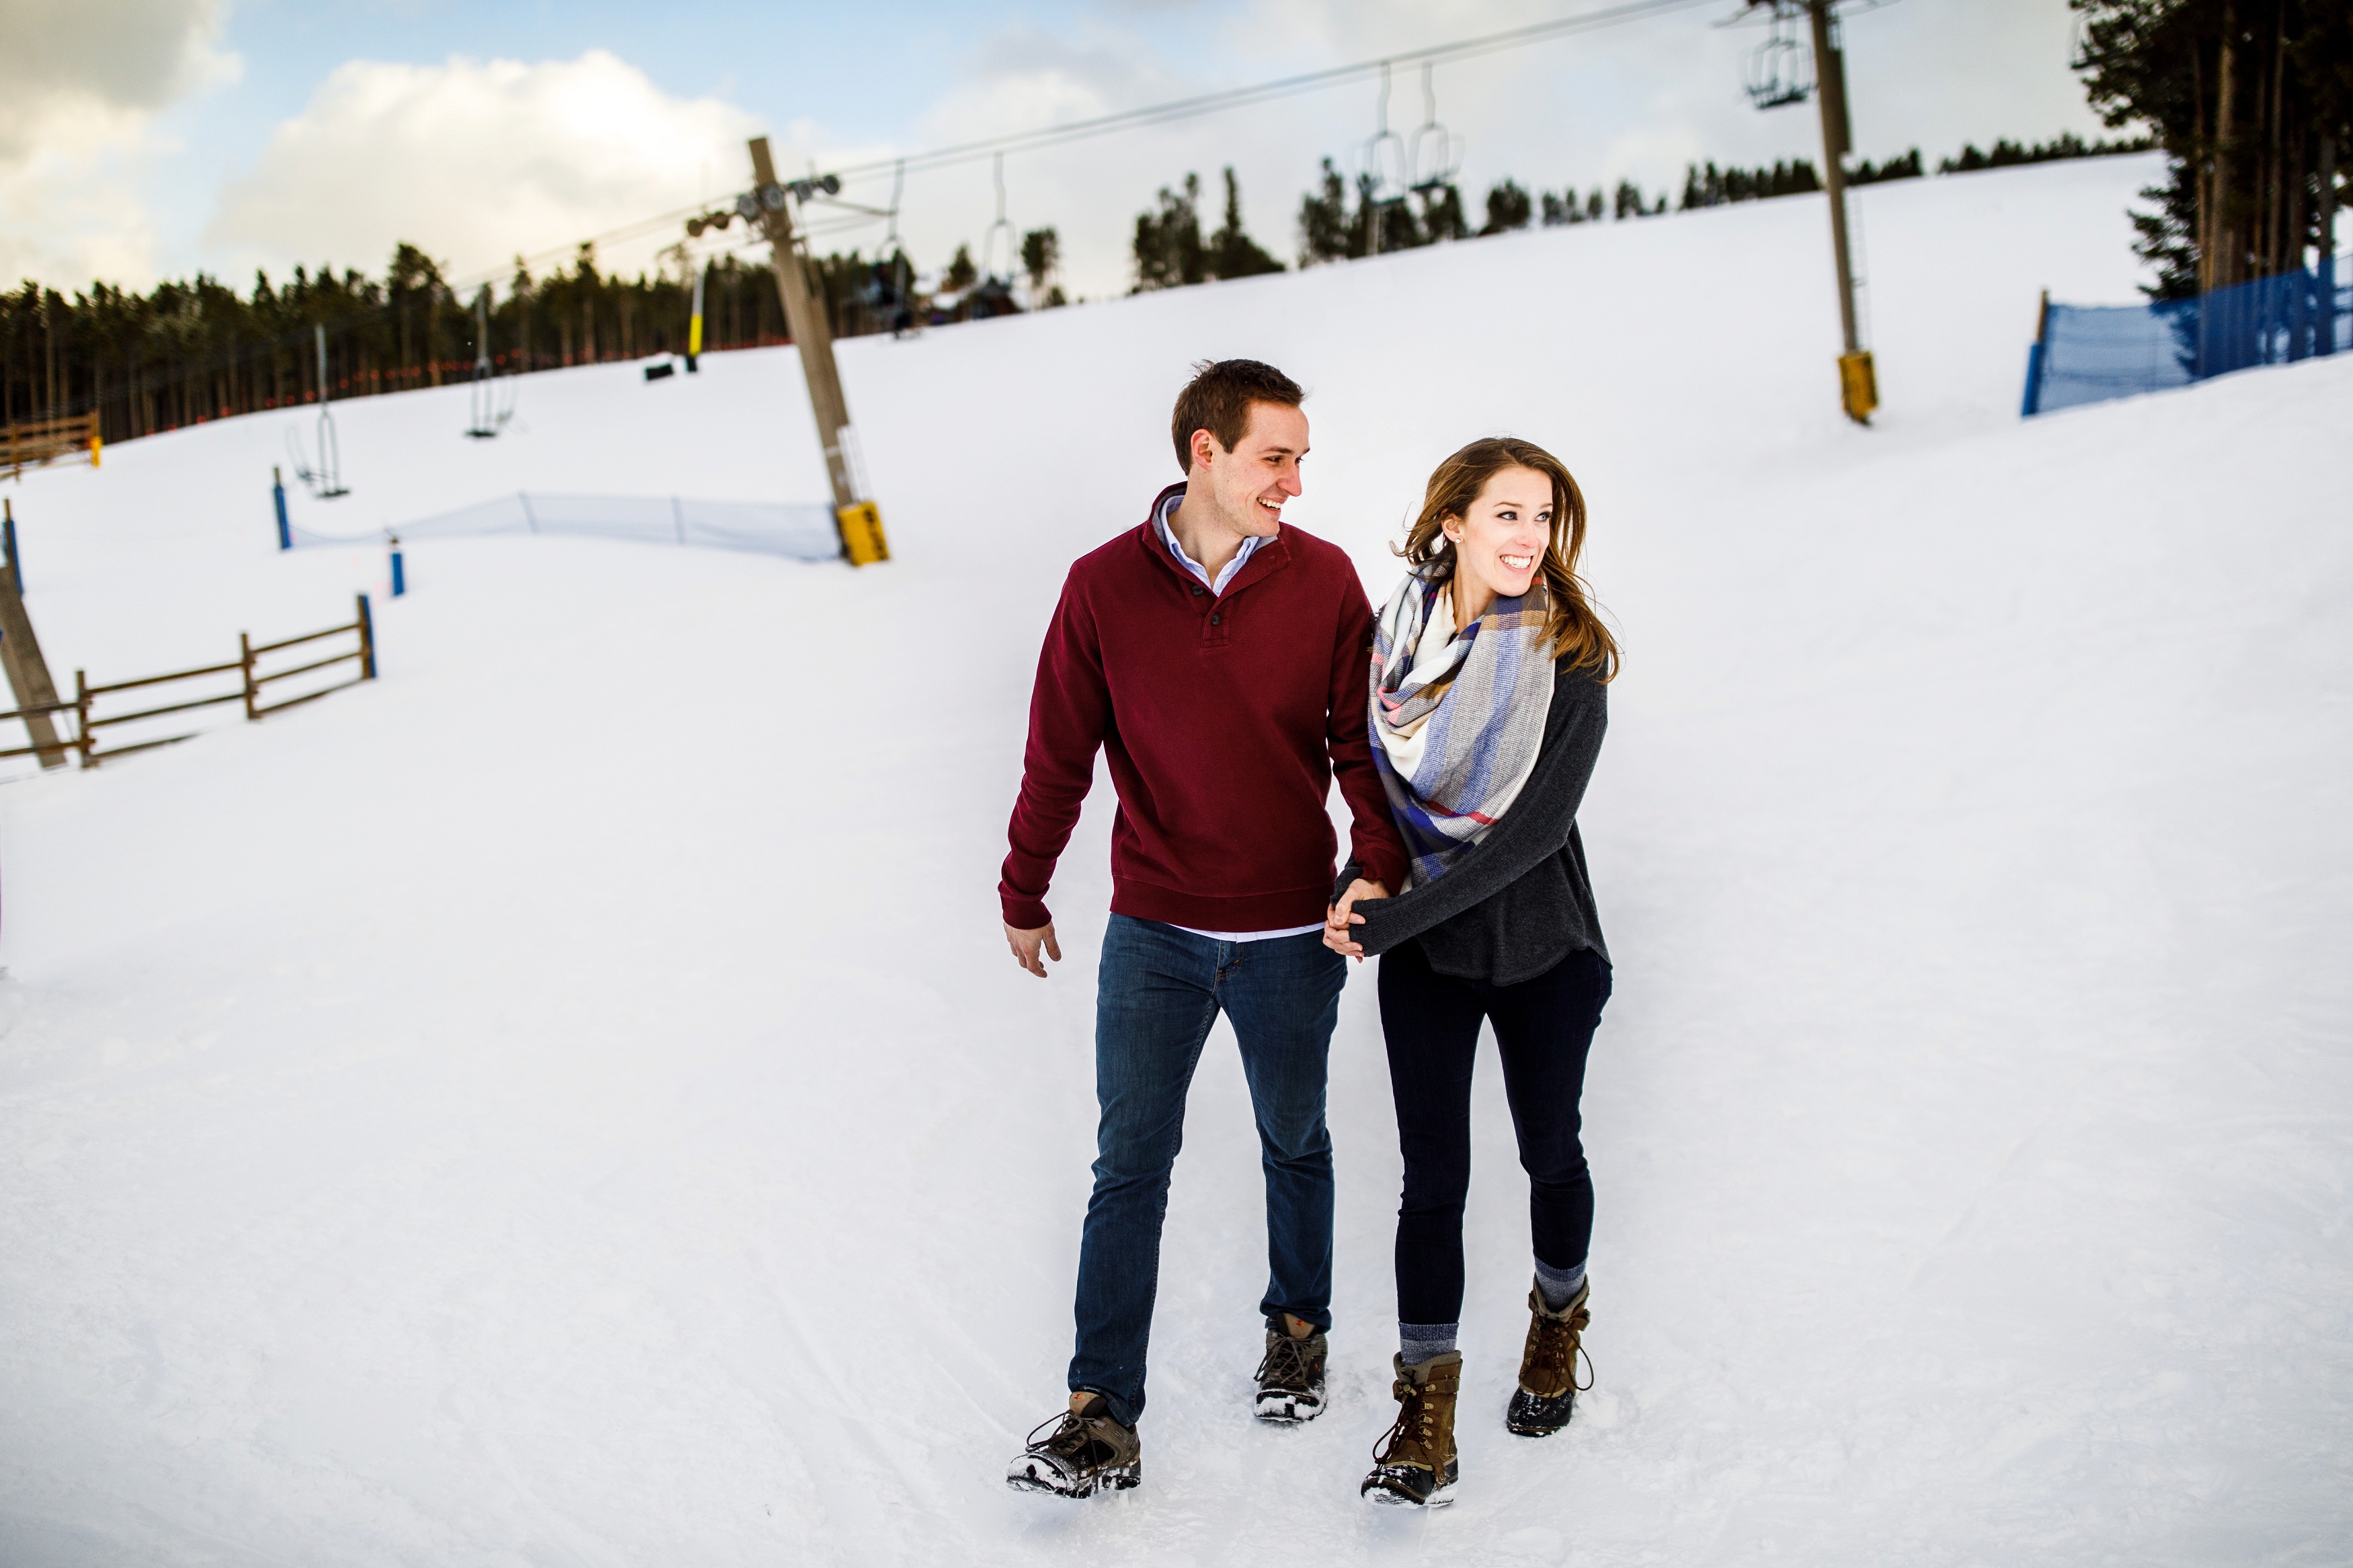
(769,205)
(1775,77)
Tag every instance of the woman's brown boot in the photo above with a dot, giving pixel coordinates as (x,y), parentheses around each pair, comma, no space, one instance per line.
(1548,1386)
(1414,1465)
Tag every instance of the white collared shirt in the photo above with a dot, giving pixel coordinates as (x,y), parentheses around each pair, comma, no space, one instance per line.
(1168,537)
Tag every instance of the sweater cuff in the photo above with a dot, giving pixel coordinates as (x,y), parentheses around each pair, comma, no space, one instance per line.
(1383,868)
(1023,914)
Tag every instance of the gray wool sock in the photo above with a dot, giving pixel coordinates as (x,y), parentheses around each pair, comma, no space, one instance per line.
(1558,1286)
(1419,1342)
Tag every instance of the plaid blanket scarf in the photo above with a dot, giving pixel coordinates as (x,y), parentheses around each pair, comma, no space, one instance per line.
(1456,734)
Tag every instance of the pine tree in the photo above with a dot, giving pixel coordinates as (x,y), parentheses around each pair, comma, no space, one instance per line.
(1232,253)
(1508,208)
(1326,233)
(1041,254)
(1441,216)
(2249,98)
(1167,249)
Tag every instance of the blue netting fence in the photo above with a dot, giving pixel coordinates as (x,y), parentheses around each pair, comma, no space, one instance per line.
(2090,354)
(798,532)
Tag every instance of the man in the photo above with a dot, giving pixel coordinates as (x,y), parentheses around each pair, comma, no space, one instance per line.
(1220,658)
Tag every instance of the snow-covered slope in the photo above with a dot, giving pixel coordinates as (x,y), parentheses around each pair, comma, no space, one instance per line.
(569,1102)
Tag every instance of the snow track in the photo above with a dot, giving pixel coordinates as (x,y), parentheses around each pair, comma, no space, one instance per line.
(569,1104)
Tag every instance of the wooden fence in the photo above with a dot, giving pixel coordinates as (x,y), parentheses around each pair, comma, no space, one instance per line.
(30,445)
(252,691)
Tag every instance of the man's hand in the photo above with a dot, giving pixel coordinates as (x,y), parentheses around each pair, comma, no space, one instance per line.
(1339,916)
(1026,943)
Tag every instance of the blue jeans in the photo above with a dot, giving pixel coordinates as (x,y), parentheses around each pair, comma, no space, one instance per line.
(1159,991)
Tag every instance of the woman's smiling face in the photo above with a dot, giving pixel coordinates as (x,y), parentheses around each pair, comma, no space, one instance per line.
(1500,546)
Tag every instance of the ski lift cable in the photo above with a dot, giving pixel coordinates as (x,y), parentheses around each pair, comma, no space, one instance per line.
(1208,103)
(1163,113)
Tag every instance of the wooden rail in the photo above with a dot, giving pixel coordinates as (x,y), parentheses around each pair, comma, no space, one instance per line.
(89,722)
(36,442)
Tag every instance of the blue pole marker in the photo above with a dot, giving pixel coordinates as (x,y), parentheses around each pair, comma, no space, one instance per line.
(278,493)
(16,567)
(399,580)
(2032,404)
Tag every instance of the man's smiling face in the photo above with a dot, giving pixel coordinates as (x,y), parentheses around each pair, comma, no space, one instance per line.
(1249,484)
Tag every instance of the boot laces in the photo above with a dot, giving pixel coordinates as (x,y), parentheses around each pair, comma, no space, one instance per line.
(1415,1424)
(1284,1365)
(1072,1434)
(1559,1342)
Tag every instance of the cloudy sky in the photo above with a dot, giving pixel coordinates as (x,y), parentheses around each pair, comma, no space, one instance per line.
(142,139)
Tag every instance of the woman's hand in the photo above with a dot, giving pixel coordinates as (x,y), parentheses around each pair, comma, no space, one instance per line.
(1339,916)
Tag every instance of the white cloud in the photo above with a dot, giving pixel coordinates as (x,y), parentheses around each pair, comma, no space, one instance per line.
(476,161)
(86,79)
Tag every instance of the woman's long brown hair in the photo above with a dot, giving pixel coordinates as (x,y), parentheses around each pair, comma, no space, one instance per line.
(1574,629)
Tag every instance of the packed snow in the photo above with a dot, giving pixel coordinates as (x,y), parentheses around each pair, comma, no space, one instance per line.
(569,1101)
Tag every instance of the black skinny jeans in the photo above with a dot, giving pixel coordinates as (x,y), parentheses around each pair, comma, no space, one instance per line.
(1543,1028)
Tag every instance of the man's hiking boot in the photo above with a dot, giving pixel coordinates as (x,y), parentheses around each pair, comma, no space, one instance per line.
(1548,1386)
(1078,1453)
(1414,1465)
(1291,1377)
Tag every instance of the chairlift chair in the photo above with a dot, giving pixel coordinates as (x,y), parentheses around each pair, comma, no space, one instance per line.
(1387,160)
(487,411)
(323,478)
(988,272)
(1780,70)
(1435,156)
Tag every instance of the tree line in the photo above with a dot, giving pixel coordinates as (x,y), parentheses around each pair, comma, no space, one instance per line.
(1337,221)
(190,351)
(2251,100)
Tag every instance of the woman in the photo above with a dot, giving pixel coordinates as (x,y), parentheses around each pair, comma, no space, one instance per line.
(1489,671)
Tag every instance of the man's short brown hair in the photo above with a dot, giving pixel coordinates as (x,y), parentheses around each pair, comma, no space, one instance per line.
(1218,397)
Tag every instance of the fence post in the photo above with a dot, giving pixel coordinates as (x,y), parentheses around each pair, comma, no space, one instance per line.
(367,641)
(278,494)
(245,664)
(28,672)
(81,719)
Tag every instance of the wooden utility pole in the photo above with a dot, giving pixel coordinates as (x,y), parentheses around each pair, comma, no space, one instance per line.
(856,516)
(1858,386)
(28,673)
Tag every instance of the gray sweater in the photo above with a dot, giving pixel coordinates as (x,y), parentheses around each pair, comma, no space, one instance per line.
(1516,903)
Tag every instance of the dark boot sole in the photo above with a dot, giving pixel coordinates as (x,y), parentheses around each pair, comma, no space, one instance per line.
(1287,1411)
(1533,1420)
(1117,1478)
(1388,1487)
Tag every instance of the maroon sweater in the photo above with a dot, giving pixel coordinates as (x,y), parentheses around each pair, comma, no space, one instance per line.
(1225,717)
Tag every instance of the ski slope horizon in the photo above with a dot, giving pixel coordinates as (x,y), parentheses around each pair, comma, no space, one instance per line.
(569,1102)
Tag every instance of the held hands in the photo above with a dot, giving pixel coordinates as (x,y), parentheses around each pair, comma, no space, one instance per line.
(1339,916)
(1026,943)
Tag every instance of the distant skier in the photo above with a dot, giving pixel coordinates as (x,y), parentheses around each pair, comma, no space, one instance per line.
(1489,675)
(1218,656)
